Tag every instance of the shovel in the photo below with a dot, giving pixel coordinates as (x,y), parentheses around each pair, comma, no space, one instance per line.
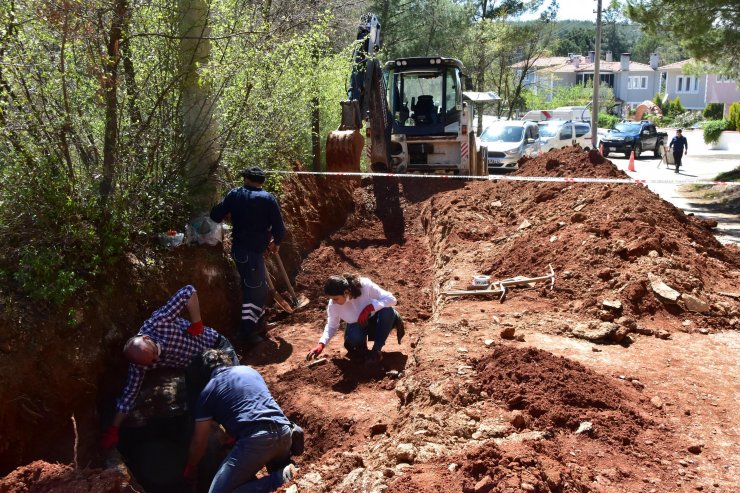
(279,299)
(296,302)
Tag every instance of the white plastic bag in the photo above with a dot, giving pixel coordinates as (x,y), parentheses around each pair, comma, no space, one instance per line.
(203,231)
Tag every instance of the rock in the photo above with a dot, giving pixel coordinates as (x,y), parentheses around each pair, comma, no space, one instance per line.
(405,452)
(388,472)
(663,334)
(637,384)
(594,331)
(660,288)
(657,402)
(488,342)
(527,487)
(620,334)
(525,224)
(595,349)
(578,217)
(520,338)
(553,238)
(517,419)
(452,467)
(462,350)
(496,204)
(485,485)
(696,448)
(585,427)
(507,333)
(694,304)
(653,254)
(292,489)
(615,305)
(627,322)
(704,331)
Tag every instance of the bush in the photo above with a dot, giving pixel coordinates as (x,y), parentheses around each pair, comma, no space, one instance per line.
(714,111)
(734,117)
(713,129)
(608,121)
(658,101)
(661,121)
(675,108)
(687,119)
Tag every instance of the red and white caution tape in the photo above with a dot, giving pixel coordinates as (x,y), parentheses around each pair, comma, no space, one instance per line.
(555,179)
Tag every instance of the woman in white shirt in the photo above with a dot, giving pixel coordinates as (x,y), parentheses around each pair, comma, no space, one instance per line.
(368,311)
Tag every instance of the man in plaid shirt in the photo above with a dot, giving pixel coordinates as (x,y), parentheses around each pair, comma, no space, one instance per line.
(164,341)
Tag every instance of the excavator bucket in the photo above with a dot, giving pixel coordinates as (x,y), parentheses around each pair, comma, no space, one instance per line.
(344,150)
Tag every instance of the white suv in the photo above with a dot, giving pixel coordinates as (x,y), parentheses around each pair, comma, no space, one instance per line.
(507,141)
(556,134)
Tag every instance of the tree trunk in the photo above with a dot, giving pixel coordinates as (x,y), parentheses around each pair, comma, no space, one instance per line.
(110,91)
(202,150)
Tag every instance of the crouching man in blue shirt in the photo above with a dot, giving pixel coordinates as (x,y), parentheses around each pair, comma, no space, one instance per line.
(237,398)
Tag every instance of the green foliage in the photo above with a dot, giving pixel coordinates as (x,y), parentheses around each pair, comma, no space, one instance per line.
(661,121)
(534,101)
(732,175)
(734,116)
(608,121)
(688,119)
(713,129)
(579,95)
(714,111)
(674,108)
(658,100)
(707,29)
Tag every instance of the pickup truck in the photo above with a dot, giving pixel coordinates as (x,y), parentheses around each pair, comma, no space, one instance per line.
(634,136)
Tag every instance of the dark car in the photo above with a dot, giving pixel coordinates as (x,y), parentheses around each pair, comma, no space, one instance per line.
(640,137)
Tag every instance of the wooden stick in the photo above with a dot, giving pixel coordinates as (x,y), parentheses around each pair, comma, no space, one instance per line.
(317,362)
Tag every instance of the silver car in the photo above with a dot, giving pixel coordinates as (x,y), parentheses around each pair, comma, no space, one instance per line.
(507,141)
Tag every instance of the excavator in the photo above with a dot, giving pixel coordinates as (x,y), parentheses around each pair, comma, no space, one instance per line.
(416,114)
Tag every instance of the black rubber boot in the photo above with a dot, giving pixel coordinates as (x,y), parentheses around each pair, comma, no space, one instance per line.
(399,326)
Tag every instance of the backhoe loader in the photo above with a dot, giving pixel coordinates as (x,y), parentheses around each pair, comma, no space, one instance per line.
(415,111)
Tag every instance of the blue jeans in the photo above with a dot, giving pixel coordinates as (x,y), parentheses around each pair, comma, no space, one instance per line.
(355,336)
(251,267)
(264,445)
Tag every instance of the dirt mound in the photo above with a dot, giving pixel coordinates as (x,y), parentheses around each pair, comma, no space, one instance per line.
(492,469)
(603,241)
(557,394)
(42,477)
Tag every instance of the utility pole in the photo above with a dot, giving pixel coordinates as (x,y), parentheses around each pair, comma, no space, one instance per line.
(597,80)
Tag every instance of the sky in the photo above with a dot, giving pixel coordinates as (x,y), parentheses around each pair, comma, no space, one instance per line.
(581,10)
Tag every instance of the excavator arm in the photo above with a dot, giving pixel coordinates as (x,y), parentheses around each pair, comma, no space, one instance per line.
(366,101)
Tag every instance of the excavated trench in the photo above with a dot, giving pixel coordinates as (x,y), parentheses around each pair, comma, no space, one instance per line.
(505,416)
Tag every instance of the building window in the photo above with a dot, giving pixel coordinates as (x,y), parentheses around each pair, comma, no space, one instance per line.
(637,82)
(687,84)
(724,78)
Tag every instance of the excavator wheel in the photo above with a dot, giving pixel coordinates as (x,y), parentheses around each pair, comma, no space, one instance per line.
(344,150)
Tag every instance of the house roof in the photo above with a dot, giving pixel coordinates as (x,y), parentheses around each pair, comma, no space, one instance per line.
(604,66)
(676,65)
(543,62)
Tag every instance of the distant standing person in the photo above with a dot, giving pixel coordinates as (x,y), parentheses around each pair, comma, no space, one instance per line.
(165,340)
(258,227)
(680,147)
(237,397)
(368,311)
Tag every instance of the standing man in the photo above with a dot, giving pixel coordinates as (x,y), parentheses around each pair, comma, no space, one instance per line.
(237,398)
(258,227)
(680,147)
(164,341)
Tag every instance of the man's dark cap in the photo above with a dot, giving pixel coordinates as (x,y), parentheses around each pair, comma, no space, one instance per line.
(254,173)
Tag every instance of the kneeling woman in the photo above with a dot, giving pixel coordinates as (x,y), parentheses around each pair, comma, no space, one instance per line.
(368,312)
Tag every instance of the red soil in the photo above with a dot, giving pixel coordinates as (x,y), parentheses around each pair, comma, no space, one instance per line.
(455,407)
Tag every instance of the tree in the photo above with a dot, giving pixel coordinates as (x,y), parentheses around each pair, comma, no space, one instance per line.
(708,29)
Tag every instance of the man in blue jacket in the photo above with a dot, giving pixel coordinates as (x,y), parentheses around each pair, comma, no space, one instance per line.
(257,227)
(680,147)
(238,398)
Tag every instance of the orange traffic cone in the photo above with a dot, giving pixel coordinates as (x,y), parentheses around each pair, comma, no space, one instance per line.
(631,166)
